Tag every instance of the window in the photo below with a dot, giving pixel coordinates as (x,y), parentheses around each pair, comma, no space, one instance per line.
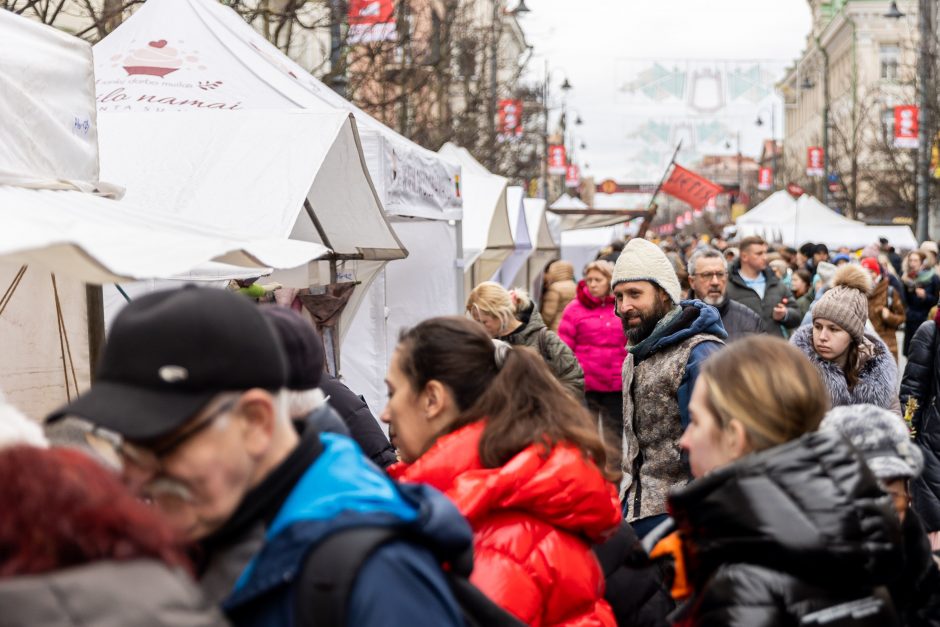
(890,60)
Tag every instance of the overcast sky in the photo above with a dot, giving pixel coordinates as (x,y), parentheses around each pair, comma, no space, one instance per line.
(591,43)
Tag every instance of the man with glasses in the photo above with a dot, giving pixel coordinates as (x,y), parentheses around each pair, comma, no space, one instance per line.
(708,276)
(190,399)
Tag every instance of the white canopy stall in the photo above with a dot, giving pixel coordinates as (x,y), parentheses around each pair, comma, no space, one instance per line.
(544,246)
(487,234)
(781,218)
(61,230)
(297,166)
(520,235)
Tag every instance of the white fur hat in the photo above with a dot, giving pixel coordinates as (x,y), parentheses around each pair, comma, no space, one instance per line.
(642,260)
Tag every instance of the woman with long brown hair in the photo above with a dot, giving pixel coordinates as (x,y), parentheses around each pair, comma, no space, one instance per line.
(782,525)
(487,424)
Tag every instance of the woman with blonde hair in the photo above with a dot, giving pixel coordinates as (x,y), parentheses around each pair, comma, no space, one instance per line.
(782,524)
(591,328)
(510,316)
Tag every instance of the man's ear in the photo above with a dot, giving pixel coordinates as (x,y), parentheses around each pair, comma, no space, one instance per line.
(258,411)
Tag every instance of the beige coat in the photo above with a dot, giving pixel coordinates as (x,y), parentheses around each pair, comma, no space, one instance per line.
(561,290)
(886,329)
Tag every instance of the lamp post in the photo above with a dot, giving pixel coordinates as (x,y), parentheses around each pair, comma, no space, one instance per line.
(565,87)
(773,141)
(497,29)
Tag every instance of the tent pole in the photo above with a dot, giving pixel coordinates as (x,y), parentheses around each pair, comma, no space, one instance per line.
(94,306)
(460,270)
(651,208)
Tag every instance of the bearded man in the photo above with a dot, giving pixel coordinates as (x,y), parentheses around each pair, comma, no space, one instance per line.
(708,278)
(667,342)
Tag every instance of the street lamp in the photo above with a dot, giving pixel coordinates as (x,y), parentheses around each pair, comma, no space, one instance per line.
(893,12)
(773,140)
(566,86)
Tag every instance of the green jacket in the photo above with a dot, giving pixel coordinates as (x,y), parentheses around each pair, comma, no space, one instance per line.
(562,362)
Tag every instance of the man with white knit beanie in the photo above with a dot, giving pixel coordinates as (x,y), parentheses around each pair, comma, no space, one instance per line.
(667,342)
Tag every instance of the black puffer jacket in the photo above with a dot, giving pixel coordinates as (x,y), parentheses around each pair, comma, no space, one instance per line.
(785,533)
(916,593)
(774,293)
(363,427)
(739,321)
(921,381)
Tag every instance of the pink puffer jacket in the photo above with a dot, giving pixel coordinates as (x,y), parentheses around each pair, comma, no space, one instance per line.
(592,329)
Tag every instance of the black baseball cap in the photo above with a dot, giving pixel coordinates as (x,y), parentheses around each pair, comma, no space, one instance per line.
(169,353)
(302,346)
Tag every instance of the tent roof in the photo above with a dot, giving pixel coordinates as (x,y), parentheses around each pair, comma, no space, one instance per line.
(487,234)
(539,233)
(46,173)
(98,240)
(568,202)
(212,58)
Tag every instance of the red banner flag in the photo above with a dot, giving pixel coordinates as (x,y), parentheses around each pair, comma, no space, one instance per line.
(690,188)
(573,176)
(371,21)
(557,159)
(510,119)
(815,161)
(765,179)
(906,126)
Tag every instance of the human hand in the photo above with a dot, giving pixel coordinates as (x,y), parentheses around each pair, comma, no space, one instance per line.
(921,292)
(885,312)
(780,310)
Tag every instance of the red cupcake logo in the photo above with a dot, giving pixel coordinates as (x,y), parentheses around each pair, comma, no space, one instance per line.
(156,58)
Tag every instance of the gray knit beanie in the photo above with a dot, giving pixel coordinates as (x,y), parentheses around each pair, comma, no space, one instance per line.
(642,260)
(846,303)
(880,436)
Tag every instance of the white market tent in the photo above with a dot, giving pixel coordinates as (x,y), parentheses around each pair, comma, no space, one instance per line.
(581,246)
(520,234)
(239,135)
(544,246)
(781,218)
(487,233)
(61,230)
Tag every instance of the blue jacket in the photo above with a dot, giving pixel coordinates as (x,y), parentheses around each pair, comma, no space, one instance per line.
(696,318)
(401,581)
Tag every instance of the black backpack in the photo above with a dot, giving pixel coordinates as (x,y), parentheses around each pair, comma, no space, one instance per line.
(331,568)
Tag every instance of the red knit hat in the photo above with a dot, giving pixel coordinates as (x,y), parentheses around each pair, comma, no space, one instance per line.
(871,264)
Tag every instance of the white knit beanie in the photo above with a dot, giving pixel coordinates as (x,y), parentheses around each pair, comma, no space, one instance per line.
(642,260)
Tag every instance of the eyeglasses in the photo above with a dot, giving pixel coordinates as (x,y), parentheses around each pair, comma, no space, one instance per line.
(708,276)
(149,459)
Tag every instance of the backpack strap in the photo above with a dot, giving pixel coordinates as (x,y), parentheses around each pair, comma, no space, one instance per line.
(330,571)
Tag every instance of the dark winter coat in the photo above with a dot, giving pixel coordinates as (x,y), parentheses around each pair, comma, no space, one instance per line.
(775,292)
(921,381)
(634,584)
(562,362)
(884,294)
(917,308)
(363,427)
(787,532)
(739,321)
(877,377)
(916,592)
(256,560)
(141,592)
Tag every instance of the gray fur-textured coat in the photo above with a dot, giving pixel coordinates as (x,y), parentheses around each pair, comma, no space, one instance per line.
(877,379)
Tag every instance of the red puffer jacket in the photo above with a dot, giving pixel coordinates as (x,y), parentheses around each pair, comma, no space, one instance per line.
(591,328)
(531,521)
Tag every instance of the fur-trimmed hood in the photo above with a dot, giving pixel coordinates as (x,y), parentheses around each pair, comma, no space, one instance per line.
(877,378)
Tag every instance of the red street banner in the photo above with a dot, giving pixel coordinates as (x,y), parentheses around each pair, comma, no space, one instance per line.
(371,21)
(573,176)
(906,126)
(765,179)
(510,119)
(815,161)
(557,160)
(690,188)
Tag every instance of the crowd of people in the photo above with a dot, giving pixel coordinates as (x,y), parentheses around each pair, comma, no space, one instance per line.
(698,432)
